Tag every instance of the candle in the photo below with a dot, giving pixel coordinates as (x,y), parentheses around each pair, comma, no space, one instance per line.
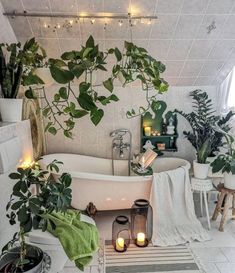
(120,244)
(147,131)
(140,239)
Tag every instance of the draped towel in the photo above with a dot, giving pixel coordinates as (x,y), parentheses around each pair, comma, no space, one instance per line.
(174,219)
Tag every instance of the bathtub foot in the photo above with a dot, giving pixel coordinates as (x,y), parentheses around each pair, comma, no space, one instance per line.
(91,210)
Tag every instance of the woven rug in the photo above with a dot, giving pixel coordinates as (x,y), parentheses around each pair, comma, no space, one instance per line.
(177,259)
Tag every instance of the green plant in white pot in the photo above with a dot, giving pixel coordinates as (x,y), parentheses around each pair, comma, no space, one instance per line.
(225,163)
(16,66)
(28,209)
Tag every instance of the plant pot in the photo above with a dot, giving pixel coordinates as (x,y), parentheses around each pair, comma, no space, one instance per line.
(35,255)
(44,74)
(11,109)
(200,170)
(229,181)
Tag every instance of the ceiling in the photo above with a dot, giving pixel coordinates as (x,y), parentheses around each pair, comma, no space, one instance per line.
(194,38)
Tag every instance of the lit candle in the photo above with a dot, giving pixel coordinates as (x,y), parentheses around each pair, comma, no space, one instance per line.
(120,244)
(142,162)
(147,131)
(140,239)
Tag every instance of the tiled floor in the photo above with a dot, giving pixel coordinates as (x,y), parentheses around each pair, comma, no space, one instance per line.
(216,256)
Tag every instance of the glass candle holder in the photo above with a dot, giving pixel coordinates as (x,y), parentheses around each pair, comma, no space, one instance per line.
(121,233)
(147,130)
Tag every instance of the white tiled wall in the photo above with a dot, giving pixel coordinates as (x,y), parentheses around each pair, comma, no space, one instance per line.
(95,141)
(6,33)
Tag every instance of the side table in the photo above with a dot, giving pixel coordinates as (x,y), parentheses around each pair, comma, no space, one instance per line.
(203,186)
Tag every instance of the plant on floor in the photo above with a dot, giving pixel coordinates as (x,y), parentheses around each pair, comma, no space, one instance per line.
(202,120)
(71,103)
(28,208)
(17,64)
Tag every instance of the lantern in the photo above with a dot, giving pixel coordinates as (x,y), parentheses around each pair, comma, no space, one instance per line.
(121,233)
(141,222)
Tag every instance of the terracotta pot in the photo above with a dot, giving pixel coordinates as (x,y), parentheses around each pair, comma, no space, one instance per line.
(200,170)
(11,109)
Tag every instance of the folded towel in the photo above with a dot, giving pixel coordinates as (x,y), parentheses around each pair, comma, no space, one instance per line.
(174,219)
(80,240)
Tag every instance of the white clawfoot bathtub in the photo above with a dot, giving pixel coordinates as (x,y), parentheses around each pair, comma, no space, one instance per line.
(92,180)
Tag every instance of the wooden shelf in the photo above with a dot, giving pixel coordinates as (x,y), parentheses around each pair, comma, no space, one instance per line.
(161,136)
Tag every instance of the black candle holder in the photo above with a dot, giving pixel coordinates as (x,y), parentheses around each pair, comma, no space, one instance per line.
(121,230)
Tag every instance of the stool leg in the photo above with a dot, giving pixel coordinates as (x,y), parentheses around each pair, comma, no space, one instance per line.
(207,212)
(218,206)
(201,203)
(233,211)
(225,211)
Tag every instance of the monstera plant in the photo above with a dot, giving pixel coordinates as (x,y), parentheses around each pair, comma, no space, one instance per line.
(72,102)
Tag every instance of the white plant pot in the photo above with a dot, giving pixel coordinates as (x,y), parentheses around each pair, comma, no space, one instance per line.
(44,74)
(229,181)
(11,109)
(200,170)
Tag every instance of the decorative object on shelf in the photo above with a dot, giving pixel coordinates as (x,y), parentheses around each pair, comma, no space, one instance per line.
(157,123)
(161,146)
(148,145)
(29,210)
(147,158)
(16,66)
(204,138)
(135,167)
(141,222)
(170,127)
(147,131)
(226,162)
(121,233)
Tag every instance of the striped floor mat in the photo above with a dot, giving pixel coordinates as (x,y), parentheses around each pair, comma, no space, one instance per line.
(177,259)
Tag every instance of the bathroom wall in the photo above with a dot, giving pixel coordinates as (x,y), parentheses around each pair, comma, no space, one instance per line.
(7,34)
(95,141)
(8,131)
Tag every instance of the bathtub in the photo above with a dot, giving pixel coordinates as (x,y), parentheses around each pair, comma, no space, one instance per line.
(92,180)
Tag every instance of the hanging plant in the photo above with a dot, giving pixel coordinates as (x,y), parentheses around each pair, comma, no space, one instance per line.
(74,102)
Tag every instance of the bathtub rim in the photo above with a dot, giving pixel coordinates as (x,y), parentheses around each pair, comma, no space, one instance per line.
(106,177)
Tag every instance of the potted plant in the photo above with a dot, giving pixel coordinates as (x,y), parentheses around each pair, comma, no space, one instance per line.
(16,66)
(225,163)
(29,208)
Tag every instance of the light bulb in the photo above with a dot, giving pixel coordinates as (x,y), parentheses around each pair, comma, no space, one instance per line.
(92,21)
(58,25)
(45,25)
(71,22)
(149,22)
(120,22)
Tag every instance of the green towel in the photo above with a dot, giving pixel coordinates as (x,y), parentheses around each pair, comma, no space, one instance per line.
(79,239)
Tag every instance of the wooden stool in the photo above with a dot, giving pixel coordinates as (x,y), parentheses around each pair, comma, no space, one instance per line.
(229,197)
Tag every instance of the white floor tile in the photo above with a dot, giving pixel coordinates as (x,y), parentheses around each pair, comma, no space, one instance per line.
(229,252)
(226,267)
(210,254)
(210,267)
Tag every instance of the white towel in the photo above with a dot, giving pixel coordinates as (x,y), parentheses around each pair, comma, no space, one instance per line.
(174,219)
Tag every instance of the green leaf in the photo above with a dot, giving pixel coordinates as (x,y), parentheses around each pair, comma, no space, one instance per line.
(90,42)
(61,75)
(108,84)
(31,79)
(16,205)
(56,97)
(68,55)
(86,52)
(86,102)
(79,113)
(84,87)
(76,69)
(23,215)
(63,93)
(15,176)
(66,179)
(46,111)
(29,94)
(118,54)
(52,130)
(67,133)
(96,116)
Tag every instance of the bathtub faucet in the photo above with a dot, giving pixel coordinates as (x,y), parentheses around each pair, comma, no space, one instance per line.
(119,144)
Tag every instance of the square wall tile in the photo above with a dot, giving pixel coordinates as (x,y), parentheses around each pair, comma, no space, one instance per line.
(142,7)
(200,49)
(229,29)
(64,6)
(21,27)
(96,30)
(90,6)
(158,48)
(204,81)
(51,46)
(169,6)
(222,49)
(187,26)
(173,68)
(113,31)
(179,49)
(218,6)
(69,44)
(203,32)
(141,30)
(211,68)
(194,6)
(164,27)
(12,5)
(191,68)
(189,81)
(43,27)
(114,6)
(171,80)
(35,5)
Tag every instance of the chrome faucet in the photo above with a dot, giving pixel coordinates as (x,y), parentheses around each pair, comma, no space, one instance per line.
(119,144)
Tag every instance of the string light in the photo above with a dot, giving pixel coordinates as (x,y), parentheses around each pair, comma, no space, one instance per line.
(71,22)
(149,22)
(58,26)
(120,22)
(92,21)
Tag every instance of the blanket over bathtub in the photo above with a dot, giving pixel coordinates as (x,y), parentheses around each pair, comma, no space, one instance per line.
(80,240)
(174,219)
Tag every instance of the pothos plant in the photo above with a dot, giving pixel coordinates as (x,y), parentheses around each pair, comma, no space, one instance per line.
(72,102)
(28,208)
